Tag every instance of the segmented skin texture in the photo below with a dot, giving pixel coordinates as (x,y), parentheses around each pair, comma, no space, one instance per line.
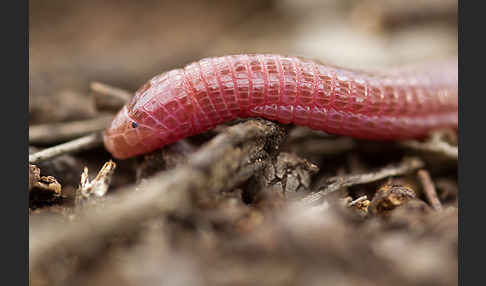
(388,105)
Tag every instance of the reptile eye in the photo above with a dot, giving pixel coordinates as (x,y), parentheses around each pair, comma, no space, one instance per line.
(134,124)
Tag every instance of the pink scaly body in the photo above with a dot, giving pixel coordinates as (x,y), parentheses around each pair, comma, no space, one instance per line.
(389,105)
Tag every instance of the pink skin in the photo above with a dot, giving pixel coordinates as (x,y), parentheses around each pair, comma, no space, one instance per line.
(390,105)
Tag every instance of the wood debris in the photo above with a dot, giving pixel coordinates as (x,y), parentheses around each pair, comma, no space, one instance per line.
(99,185)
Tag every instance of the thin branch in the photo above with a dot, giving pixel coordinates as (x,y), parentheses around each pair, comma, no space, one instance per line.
(435,145)
(358,200)
(77,145)
(429,189)
(56,132)
(335,183)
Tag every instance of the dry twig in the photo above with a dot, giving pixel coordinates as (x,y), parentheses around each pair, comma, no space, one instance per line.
(77,145)
(358,200)
(435,145)
(335,183)
(360,204)
(56,132)
(429,189)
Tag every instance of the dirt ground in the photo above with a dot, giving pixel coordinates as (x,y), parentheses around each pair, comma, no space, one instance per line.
(251,202)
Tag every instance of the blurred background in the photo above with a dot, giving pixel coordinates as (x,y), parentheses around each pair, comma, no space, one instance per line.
(123,43)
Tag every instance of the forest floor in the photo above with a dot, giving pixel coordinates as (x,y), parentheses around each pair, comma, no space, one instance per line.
(251,202)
